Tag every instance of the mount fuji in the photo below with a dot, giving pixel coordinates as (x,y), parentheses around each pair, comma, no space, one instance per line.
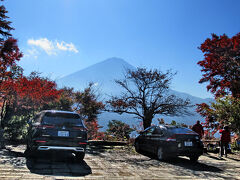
(104,74)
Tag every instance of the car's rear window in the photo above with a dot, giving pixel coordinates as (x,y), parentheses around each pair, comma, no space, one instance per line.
(175,130)
(68,119)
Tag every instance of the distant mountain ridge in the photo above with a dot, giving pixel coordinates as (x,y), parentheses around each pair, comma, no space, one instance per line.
(104,74)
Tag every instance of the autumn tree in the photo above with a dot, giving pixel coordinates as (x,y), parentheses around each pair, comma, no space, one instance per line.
(220,65)
(9,51)
(24,97)
(65,102)
(86,103)
(9,55)
(146,94)
(220,68)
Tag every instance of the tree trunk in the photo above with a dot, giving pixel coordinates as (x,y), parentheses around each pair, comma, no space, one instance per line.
(147,122)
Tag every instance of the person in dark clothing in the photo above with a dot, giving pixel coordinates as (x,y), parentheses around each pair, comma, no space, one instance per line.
(224,141)
(198,129)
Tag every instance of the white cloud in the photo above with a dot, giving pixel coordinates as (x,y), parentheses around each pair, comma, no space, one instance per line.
(66,47)
(31,53)
(44,44)
(50,47)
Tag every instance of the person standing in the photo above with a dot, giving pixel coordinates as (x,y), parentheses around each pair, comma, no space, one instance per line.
(224,140)
(198,129)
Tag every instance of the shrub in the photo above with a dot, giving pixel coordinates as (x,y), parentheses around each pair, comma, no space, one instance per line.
(16,128)
(119,130)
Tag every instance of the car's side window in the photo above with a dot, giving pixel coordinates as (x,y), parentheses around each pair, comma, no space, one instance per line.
(158,131)
(149,131)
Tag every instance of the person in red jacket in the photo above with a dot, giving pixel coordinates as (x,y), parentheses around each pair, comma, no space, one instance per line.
(198,129)
(224,140)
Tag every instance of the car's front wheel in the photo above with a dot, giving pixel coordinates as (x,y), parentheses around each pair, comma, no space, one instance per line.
(160,154)
(80,156)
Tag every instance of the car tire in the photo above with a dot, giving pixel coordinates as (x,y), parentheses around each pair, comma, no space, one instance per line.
(137,148)
(29,153)
(80,156)
(194,158)
(160,154)
(28,147)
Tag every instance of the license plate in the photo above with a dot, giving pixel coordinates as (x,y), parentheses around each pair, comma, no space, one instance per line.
(187,143)
(63,133)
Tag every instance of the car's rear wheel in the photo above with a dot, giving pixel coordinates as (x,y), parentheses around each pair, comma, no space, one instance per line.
(80,156)
(160,154)
(194,158)
(29,153)
(137,148)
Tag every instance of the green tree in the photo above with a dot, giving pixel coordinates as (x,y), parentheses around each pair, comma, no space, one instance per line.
(174,123)
(225,111)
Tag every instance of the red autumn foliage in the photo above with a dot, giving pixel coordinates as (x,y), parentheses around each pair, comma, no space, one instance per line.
(220,65)
(9,55)
(93,130)
(206,111)
(33,92)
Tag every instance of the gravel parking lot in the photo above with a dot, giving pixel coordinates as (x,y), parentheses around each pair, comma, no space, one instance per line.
(113,164)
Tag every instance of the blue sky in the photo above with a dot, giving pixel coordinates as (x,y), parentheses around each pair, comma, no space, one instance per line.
(59,37)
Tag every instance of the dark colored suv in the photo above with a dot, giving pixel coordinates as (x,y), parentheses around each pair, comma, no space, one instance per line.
(169,141)
(59,131)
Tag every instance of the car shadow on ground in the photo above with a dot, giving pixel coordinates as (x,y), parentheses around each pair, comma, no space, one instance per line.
(215,157)
(45,163)
(98,150)
(233,159)
(187,164)
(194,166)
(57,164)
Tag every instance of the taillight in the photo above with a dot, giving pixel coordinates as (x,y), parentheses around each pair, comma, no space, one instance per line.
(82,143)
(40,141)
(45,126)
(172,138)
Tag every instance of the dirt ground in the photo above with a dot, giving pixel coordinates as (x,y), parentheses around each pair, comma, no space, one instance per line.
(117,163)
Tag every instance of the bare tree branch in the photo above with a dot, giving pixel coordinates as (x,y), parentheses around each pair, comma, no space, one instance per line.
(146,94)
